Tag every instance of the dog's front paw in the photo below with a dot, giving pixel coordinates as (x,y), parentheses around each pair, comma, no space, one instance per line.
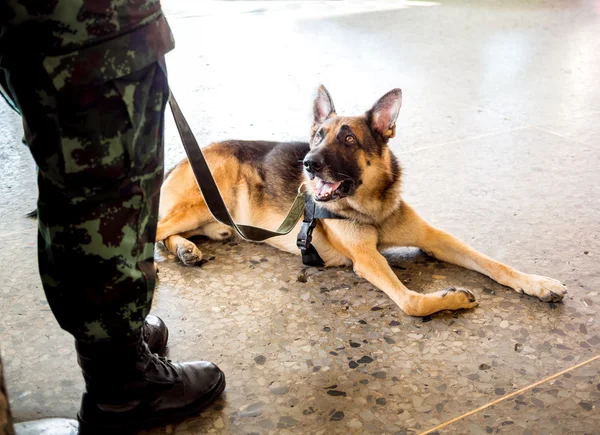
(189,254)
(467,296)
(544,288)
(452,298)
(457,298)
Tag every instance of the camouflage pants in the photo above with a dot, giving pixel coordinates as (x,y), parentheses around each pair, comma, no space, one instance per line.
(99,152)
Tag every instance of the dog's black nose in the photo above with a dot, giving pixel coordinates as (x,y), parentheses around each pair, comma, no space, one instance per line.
(314,163)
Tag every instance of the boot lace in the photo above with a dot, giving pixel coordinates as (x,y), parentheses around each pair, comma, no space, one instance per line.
(162,363)
(159,363)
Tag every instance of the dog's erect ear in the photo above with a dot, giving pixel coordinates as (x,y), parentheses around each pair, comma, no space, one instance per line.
(322,106)
(382,116)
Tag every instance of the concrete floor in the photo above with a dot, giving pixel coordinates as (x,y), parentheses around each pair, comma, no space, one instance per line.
(498,137)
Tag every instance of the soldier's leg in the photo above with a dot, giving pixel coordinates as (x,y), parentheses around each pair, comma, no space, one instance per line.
(99,150)
(99,154)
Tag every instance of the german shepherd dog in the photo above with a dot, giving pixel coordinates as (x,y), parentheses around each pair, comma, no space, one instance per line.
(349,170)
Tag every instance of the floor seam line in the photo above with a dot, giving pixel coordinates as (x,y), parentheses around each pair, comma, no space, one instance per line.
(508,396)
(467,138)
(562,136)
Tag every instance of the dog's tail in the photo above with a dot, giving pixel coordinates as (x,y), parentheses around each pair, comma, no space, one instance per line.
(32,214)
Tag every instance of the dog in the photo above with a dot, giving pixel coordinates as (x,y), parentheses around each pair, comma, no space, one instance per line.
(348,169)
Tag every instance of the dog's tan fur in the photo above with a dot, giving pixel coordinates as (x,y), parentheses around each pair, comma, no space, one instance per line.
(378,218)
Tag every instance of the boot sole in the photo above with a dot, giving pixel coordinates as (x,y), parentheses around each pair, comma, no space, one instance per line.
(157,419)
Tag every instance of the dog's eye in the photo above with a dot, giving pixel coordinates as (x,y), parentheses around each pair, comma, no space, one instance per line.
(350,139)
(319,136)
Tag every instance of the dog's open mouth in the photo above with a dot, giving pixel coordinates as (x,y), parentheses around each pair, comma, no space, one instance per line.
(328,190)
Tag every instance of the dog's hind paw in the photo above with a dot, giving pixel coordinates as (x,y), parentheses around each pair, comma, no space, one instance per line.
(544,288)
(189,254)
(217,231)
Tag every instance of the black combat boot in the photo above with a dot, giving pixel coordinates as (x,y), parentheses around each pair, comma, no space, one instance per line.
(129,388)
(156,334)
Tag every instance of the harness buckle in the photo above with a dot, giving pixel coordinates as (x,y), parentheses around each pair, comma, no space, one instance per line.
(305,235)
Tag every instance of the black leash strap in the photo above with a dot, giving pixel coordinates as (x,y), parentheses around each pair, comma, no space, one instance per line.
(211,193)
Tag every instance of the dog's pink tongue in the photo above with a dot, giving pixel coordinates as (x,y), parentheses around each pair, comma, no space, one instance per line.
(325,189)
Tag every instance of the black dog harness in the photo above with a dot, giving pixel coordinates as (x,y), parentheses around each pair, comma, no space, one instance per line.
(312,212)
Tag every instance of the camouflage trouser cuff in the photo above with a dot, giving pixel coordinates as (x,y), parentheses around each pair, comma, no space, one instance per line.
(90,349)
